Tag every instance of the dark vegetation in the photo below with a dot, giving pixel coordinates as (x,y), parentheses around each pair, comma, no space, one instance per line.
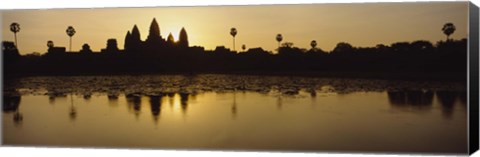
(442,60)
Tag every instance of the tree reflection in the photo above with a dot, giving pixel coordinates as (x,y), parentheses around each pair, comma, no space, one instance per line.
(279,102)
(73,110)
(423,99)
(447,100)
(313,92)
(234,105)
(53,97)
(112,99)
(411,98)
(87,96)
(11,103)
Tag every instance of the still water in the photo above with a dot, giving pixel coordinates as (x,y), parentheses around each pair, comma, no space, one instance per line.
(236,113)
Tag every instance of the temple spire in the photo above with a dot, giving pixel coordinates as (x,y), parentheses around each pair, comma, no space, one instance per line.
(183,38)
(154,29)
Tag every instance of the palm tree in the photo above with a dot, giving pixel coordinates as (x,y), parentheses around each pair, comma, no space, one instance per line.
(15,27)
(448,29)
(313,43)
(70,32)
(50,44)
(73,110)
(233,32)
(279,39)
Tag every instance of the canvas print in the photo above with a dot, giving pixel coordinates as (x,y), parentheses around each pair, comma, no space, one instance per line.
(361,77)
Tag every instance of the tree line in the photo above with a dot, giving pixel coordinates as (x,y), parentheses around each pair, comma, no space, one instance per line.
(158,55)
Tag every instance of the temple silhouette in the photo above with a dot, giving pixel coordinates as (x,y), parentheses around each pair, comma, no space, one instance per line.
(154,43)
(442,60)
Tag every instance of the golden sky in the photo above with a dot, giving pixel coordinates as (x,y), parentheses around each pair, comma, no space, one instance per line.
(366,24)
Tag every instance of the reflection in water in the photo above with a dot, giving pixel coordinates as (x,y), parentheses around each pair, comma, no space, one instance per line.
(112,99)
(155,106)
(11,103)
(447,100)
(134,101)
(170,98)
(18,117)
(422,100)
(345,113)
(312,92)
(410,98)
(279,102)
(184,101)
(87,96)
(73,110)
(53,97)
(234,105)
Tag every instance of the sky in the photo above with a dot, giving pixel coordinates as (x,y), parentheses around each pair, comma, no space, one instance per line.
(361,25)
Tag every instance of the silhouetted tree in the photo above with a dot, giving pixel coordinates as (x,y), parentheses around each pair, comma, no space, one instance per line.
(15,27)
(421,46)
(313,43)
(279,39)
(86,49)
(233,32)
(10,52)
(343,48)
(401,47)
(410,58)
(50,44)
(448,29)
(289,51)
(287,44)
(183,38)
(70,32)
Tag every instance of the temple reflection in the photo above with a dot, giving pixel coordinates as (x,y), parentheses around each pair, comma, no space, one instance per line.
(156,106)
(170,96)
(134,102)
(184,101)
(407,100)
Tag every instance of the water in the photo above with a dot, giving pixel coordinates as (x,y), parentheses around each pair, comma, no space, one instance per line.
(236,112)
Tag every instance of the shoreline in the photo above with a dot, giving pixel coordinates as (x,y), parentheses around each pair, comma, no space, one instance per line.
(407,76)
